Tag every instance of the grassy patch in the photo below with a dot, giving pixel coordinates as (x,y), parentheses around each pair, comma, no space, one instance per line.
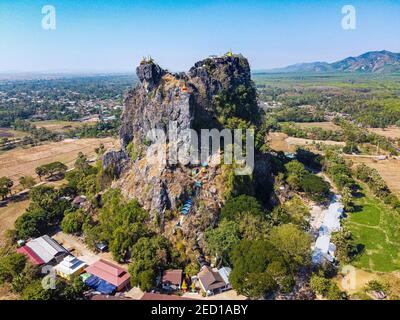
(376,229)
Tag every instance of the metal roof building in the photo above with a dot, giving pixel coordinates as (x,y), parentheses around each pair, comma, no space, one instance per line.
(45,248)
(31,255)
(110,273)
(69,266)
(324,248)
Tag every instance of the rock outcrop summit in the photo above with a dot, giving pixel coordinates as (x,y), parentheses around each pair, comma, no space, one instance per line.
(214,93)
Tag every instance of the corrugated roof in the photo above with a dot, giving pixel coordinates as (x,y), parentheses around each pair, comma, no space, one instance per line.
(210,279)
(224,272)
(332,216)
(172,277)
(46,248)
(323,243)
(110,268)
(108,272)
(159,296)
(69,265)
(31,255)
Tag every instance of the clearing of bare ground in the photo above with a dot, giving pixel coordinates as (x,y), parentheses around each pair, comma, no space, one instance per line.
(60,126)
(8,215)
(388,169)
(23,162)
(389,132)
(323,125)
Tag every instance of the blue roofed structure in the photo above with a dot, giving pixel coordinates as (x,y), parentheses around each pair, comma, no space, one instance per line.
(100,285)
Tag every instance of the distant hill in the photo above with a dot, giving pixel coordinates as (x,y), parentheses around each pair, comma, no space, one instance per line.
(371,62)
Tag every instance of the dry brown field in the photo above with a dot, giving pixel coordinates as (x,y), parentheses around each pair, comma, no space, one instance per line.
(277,142)
(388,169)
(56,125)
(23,162)
(389,132)
(308,142)
(19,162)
(9,214)
(323,125)
(11,134)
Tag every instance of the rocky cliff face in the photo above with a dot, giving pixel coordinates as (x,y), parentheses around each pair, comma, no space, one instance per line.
(190,100)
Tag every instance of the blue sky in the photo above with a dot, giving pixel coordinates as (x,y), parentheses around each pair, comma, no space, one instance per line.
(98,35)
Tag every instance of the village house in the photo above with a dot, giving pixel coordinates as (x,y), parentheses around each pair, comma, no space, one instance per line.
(213,281)
(69,267)
(44,250)
(106,277)
(172,280)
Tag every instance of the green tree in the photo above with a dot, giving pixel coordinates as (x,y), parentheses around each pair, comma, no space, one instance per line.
(72,290)
(297,212)
(32,223)
(345,249)
(121,224)
(319,284)
(35,291)
(41,172)
(222,239)
(73,221)
(235,207)
(56,168)
(325,287)
(260,284)
(315,187)
(334,292)
(45,211)
(100,150)
(51,169)
(3,192)
(5,186)
(21,280)
(192,269)
(293,243)
(295,173)
(251,275)
(81,162)
(253,227)
(27,182)
(133,151)
(11,265)
(148,256)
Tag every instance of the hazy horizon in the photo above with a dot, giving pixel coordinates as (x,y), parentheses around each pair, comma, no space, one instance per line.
(112,37)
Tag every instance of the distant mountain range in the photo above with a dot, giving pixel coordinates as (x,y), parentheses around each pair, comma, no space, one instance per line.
(381,62)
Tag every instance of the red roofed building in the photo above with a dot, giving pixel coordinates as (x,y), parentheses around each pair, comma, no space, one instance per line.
(31,255)
(110,272)
(159,297)
(172,279)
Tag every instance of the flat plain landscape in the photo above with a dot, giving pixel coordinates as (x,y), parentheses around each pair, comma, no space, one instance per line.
(280,141)
(392,132)
(61,126)
(56,125)
(389,170)
(21,162)
(8,215)
(10,133)
(323,125)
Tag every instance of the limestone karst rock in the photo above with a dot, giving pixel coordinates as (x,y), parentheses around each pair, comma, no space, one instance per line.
(191,101)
